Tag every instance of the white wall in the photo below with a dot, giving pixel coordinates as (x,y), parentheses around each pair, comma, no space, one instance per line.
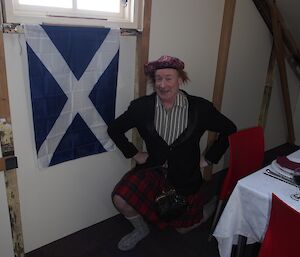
(67,197)
(246,73)
(64,198)
(297,116)
(191,30)
(247,65)
(276,129)
(6,245)
(290,13)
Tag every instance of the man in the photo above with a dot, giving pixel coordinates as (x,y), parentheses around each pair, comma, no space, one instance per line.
(171,123)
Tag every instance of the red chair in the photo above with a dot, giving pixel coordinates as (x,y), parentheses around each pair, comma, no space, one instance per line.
(282,236)
(246,156)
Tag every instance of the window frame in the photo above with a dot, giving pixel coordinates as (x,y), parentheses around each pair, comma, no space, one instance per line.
(130,16)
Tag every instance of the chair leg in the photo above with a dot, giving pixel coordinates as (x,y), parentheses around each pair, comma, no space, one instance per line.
(215,220)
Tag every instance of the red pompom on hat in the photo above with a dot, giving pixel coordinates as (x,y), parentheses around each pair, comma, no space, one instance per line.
(164,62)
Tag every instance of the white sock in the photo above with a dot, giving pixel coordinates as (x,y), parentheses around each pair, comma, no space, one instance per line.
(141,230)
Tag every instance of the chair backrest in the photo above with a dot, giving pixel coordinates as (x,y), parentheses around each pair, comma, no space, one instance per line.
(282,236)
(246,149)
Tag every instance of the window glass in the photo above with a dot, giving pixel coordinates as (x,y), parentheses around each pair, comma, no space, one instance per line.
(99,5)
(108,13)
(50,3)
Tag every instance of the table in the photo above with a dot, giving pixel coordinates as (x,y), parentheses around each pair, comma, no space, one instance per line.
(247,211)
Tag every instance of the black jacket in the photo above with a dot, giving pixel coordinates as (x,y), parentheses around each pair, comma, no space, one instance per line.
(183,155)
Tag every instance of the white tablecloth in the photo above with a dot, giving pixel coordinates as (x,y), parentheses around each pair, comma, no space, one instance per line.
(247,211)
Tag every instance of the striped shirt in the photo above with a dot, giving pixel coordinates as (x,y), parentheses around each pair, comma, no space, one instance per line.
(172,122)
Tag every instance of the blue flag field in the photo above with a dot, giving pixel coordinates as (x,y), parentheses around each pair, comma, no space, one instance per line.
(73,75)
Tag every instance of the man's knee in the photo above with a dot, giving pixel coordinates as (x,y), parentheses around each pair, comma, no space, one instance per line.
(118,201)
(123,206)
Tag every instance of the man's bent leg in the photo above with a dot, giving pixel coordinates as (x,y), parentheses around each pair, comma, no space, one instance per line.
(141,229)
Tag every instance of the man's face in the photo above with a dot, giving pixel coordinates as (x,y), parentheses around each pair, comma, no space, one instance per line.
(167,82)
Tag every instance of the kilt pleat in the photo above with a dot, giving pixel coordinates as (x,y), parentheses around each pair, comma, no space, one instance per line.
(139,188)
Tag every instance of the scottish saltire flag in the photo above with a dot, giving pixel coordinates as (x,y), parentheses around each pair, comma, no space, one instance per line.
(73,78)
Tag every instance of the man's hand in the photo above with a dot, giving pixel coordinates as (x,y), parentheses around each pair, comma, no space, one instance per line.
(203,162)
(141,157)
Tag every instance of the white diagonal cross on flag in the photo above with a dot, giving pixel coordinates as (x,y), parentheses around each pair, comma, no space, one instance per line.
(77,91)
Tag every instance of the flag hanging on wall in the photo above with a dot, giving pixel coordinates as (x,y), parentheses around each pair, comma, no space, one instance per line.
(73,78)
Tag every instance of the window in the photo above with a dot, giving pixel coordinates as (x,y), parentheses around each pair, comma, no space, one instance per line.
(110,13)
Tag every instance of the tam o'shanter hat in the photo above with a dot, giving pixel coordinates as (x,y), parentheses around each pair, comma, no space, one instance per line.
(164,62)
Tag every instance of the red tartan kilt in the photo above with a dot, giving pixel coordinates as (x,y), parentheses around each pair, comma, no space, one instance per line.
(139,189)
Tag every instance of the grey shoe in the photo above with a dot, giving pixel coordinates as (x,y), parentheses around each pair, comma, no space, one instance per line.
(129,241)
